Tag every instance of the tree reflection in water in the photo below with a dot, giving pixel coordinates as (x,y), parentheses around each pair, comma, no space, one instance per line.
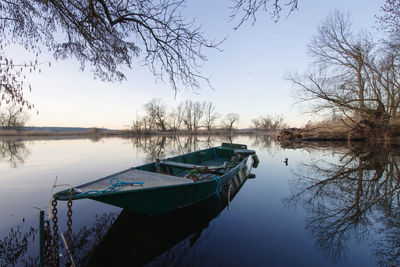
(13,151)
(20,247)
(351,197)
(165,146)
(87,238)
(14,247)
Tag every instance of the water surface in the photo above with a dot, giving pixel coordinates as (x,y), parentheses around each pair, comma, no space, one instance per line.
(332,205)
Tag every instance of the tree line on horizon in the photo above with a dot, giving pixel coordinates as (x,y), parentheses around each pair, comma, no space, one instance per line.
(192,117)
(189,116)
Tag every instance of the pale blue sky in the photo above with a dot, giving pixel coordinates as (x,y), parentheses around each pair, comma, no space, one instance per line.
(248,76)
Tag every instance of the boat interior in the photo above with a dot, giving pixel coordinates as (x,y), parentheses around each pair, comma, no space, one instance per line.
(192,167)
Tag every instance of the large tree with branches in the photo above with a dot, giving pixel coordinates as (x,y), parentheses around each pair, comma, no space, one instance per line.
(230,121)
(13,117)
(156,112)
(108,35)
(352,74)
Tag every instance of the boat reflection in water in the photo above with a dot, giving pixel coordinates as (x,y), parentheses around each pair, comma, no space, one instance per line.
(167,239)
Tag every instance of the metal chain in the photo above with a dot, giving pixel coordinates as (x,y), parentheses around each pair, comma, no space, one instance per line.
(48,245)
(69,227)
(55,232)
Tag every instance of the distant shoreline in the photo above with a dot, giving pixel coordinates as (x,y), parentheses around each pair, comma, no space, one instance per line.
(101,132)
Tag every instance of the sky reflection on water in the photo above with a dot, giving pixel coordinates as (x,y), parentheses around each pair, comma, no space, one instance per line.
(332,206)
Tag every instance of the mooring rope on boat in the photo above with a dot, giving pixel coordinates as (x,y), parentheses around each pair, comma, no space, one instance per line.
(215,154)
(219,184)
(229,197)
(115,186)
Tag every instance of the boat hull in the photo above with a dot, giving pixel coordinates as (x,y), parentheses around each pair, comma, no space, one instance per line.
(169,184)
(164,199)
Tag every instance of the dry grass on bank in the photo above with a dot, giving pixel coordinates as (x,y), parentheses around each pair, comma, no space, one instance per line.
(342,131)
(326,130)
(95,132)
(66,133)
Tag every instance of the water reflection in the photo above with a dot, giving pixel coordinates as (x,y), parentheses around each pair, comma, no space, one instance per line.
(14,151)
(87,238)
(163,146)
(350,197)
(264,142)
(20,246)
(14,247)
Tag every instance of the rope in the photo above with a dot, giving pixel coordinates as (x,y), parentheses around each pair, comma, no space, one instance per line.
(229,197)
(218,180)
(115,186)
(215,153)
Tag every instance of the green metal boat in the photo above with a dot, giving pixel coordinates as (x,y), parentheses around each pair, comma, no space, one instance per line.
(159,235)
(168,184)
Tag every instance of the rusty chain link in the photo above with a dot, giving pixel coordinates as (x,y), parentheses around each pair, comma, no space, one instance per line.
(52,257)
(48,245)
(55,232)
(69,227)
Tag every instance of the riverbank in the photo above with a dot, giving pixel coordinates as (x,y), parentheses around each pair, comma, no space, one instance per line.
(101,132)
(342,132)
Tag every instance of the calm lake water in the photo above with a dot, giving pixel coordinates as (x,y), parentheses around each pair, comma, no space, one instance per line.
(330,206)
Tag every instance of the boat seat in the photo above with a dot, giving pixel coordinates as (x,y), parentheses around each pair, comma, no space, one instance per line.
(245,151)
(180,164)
(240,151)
(188,166)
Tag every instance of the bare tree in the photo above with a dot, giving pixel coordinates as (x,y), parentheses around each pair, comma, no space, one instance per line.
(108,35)
(198,112)
(248,9)
(138,125)
(352,76)
(156,111)
(193,113)
(176,117)
(210,116)
(384,78)
(13,117)
(188,114)
(230,120)
(147,123)
(142,125)
(268,123)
